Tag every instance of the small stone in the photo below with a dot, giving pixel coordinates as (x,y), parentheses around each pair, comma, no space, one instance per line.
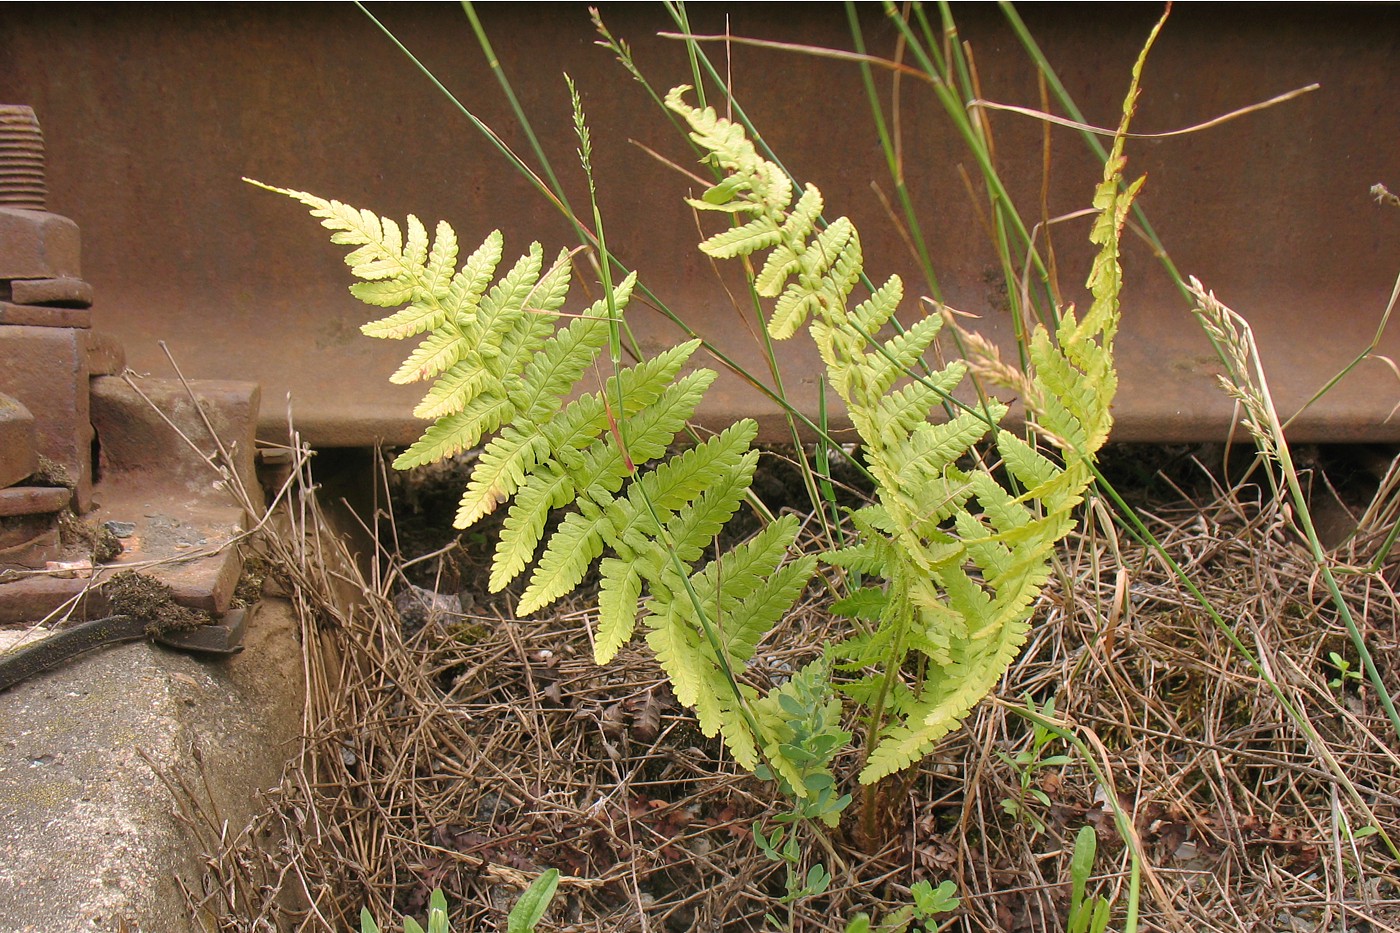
(418,607)
(120,529)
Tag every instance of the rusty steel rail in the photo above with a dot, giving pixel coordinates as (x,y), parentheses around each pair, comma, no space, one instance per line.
(154,113)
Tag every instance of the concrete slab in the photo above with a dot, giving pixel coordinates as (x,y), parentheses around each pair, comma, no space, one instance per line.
(90,840)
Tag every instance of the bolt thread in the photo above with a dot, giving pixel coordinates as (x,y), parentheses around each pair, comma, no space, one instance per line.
(22,182)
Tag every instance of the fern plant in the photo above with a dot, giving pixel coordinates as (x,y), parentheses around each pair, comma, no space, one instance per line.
(961,555)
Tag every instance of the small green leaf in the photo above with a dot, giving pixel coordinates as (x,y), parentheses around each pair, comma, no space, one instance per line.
(860,923)
(530,909)
(818,880)
(723,192)
(929,900)
(437,912)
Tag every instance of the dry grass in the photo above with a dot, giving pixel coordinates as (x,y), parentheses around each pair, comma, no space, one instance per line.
(483,748)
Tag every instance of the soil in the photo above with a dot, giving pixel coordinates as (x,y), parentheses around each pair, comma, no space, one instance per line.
(144,597)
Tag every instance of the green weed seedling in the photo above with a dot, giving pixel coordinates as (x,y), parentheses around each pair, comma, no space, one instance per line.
(529,910)
(523,918)
(917,917)
(1085,915)
(812,737)
(1027,762)
(437,917)
(1345,674)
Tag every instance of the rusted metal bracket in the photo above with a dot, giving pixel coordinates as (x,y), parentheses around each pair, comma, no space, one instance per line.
(84,452)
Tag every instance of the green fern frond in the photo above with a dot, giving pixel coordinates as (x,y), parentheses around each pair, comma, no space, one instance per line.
(676,644)
(741,594)
(594,478)
(902,353)
(453,391)
(949,695)
(501,366)
(549,376)
(571,551)
(747,597)
(742,240)
(647,434)
(467,285)
(1033,469)
(689,533)
(447,437)
(962,557)
(554,371)
(547,488)
(876,311)
(960,583)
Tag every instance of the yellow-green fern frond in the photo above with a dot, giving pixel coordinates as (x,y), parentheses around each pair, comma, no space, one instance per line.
(501,368)
(963,558)
(628,522)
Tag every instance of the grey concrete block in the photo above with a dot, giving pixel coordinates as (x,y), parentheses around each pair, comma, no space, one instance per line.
(91,841)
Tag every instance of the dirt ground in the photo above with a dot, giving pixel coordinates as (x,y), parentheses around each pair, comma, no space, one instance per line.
(452,745)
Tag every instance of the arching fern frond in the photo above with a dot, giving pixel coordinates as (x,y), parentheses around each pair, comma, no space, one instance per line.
(503,371)
(962,556)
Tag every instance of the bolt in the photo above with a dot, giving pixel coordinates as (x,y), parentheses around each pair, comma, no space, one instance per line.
(21,159)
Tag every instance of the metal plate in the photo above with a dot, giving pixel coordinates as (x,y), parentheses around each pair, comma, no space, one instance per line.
(153,113)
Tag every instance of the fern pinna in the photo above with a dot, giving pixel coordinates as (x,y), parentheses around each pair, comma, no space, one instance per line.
(961,556)
(501,365)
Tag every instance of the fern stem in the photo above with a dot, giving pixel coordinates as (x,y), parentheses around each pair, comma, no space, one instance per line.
(823,457)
